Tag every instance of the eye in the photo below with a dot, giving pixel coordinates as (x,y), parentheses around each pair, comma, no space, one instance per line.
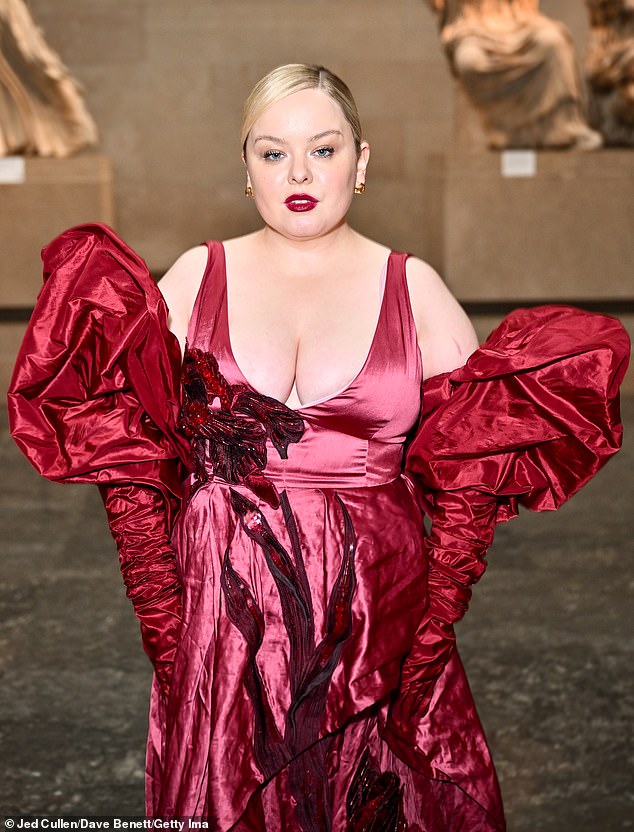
(324,152)
(273,155)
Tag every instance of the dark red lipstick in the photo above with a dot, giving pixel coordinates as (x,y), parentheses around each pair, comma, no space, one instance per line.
(300,202)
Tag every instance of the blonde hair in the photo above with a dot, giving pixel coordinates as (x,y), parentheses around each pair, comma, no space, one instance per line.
(290,78)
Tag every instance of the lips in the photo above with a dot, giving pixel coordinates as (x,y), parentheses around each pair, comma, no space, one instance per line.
(300,202)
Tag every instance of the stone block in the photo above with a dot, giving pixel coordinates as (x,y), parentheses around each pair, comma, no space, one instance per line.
(392,212)
(285,32)
(567,232)
(55,194)
(389,89)
(387,148)
(93,31)
(11,335)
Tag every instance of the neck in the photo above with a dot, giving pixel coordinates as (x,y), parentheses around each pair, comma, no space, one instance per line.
(321,247)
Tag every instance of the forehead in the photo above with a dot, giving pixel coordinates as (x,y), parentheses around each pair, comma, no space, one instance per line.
(301,114)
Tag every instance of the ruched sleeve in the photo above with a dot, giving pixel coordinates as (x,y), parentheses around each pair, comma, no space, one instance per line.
(529,419)
(95,398)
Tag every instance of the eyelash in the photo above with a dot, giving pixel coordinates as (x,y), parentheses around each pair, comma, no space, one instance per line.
(272,155)
(324,152)
(329,151)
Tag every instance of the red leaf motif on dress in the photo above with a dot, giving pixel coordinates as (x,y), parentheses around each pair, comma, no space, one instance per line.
(228,426)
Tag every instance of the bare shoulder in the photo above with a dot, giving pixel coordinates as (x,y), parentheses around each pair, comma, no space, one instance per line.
(445,333)
(179,286)
(370,250)
(243,239)
(185,273)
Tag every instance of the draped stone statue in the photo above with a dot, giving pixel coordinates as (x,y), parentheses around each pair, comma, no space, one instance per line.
(518,68)
(610,69)
(41,108)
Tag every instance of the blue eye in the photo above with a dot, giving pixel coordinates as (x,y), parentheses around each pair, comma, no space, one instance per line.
(324,152)
(274,155)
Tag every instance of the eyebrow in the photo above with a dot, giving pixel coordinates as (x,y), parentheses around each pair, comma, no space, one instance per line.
(310,139)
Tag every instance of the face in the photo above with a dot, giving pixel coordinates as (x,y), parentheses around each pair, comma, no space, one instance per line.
(302,165)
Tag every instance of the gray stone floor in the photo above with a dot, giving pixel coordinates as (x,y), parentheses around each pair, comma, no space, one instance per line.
(547,644)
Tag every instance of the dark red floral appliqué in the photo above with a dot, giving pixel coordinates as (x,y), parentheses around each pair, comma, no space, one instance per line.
(373,801)
(311,665)
(228,426)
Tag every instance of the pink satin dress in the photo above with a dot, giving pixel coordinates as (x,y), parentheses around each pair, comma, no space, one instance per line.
(302,593)
(313,684)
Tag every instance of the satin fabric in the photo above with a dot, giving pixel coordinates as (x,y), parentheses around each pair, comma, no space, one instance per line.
(532,416)
(95,397)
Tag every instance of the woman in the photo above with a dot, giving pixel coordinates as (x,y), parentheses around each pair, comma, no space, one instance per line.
(299,620)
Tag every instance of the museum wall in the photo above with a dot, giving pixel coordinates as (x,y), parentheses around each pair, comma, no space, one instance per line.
(165,81)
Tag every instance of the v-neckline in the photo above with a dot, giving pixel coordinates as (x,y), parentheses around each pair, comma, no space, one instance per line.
(387,268)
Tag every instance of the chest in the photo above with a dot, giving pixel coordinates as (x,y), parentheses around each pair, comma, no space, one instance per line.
(302,339)
(377,396)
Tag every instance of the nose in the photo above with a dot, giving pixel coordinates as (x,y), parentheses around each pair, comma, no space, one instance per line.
(299,171)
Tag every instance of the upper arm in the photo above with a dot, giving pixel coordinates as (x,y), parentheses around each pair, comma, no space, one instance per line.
(179,286)
(445,334)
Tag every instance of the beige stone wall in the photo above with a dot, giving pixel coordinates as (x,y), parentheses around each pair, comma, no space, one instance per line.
(55,193)
(165,80)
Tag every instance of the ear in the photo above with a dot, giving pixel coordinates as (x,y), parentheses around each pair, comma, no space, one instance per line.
(362,162)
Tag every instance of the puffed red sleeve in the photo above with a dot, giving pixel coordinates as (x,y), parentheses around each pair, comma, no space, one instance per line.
(95,397)
(529,419)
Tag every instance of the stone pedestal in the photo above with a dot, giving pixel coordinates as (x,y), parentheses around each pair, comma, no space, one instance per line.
(564,233)
(55,194)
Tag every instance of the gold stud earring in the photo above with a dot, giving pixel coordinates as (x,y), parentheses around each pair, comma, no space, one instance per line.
(248,192)
(359,189)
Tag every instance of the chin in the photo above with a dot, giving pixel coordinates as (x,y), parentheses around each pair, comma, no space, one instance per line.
(298,227)
(307,226)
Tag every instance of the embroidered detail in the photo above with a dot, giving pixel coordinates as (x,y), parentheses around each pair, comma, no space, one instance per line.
(310,666)
(228,426)
(373,801)
(268,747)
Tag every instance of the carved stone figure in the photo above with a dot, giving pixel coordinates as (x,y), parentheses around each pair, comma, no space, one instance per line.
(41,108)
(518,68)
(610,69)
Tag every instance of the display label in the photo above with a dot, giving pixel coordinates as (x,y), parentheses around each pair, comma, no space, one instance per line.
(519,163)
(12,170)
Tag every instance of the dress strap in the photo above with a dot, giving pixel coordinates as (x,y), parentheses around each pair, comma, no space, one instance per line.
(208,300)
(401,327)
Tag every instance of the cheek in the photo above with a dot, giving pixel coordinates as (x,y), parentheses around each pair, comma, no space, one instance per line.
(266,183)
(346,182)
(340,178)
